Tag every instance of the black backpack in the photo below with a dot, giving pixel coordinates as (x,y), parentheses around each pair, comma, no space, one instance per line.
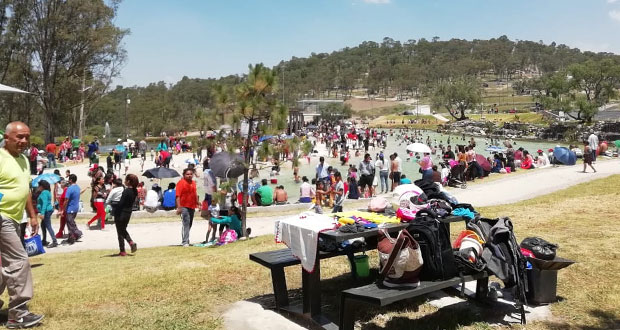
(502,255)
(433,236)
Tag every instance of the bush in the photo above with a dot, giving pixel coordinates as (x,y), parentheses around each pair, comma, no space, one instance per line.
(37,140)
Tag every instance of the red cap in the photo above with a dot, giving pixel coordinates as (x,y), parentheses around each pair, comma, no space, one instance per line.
(539,151)
(550,150)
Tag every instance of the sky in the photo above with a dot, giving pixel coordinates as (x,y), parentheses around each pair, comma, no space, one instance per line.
(170,39)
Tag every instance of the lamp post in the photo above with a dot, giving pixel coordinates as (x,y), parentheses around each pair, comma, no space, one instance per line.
(127,102)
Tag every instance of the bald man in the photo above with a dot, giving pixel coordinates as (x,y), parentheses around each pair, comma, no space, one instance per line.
(14,198)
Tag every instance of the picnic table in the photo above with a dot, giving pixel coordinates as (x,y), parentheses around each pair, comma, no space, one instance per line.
(311,281)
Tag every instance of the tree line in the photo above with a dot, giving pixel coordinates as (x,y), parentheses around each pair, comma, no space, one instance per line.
(67,53)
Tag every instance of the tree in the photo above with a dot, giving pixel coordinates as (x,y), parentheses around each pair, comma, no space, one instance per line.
(457,96)
(335,111)
(598,81)
(257,103)
(66,42)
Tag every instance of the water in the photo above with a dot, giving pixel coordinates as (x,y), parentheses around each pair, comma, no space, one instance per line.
(410,167)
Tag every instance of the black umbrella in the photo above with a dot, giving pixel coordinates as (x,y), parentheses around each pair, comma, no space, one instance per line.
(160,173)
(226,165)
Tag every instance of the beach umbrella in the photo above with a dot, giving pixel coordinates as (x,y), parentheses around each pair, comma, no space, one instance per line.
(265,137)
(160,173)
(227,165)
(565,156)
(483,162)
(9,89)
(252,186)
(419,147)
(51,178)
(495,149)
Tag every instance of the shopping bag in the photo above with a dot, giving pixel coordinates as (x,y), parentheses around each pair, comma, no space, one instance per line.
(34,246)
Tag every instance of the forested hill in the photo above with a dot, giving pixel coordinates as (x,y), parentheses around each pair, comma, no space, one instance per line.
(404,66)
(386,68)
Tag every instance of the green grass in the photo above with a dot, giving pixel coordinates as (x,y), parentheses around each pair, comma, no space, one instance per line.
(398,122)
(500,118)
(189,288)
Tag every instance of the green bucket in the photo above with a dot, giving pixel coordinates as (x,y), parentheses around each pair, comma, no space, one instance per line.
(361,265)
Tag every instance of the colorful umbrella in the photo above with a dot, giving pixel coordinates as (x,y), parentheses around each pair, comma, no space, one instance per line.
(483,162)
(51,178)
(565,156)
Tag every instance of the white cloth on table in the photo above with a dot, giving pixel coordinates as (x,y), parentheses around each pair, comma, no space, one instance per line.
(301,234)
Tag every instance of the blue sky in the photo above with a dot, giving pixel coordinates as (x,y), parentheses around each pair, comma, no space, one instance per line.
(212,38)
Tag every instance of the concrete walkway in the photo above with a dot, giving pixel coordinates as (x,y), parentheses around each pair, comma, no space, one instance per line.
(509,189)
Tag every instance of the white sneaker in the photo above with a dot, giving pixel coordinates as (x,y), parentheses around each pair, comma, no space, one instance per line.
(185,245)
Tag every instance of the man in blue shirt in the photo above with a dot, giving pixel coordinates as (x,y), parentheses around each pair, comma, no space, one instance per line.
(72,208)
(92,147)
(169,202)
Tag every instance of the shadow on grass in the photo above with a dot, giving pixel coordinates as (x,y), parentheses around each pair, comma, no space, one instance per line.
(117,255)
(409,313)
(36,265)
(605,320)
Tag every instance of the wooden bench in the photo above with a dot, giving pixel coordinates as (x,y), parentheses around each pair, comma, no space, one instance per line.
(380,296)
(276,261)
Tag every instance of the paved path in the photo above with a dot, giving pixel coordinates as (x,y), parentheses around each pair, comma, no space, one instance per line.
(510,189)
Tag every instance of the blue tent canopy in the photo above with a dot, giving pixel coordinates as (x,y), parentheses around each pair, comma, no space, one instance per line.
(565,156)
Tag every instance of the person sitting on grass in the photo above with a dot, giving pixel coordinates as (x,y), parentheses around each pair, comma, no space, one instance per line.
(528,162)
(404,179)
(263,195)
(279,195)
(305,191)
(354,191)
(151,202)
(169,202)
(497,164)
(232,221)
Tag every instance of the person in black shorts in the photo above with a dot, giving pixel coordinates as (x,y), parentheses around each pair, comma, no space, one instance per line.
(367,171)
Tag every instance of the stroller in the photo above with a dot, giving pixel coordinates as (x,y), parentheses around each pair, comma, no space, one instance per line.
(456,177)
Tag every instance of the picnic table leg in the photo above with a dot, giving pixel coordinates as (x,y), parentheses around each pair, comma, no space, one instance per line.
(482,288)
(347,314)
(311,289)
(279,287)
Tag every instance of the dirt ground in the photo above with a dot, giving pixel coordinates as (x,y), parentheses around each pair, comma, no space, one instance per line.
(361,104)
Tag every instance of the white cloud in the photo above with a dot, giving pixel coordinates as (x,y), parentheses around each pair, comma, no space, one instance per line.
(383,2)
(615,15)
(612,1)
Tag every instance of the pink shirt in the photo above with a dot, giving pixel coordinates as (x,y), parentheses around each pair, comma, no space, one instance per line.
(426,163)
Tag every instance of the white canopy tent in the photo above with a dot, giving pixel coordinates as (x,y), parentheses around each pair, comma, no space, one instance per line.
(9,89)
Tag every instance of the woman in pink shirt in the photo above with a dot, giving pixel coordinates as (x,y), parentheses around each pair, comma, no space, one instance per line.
(426,166)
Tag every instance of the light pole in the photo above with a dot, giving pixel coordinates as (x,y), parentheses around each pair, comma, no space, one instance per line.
(127,102)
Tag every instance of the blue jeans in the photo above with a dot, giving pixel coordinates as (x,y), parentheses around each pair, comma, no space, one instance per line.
(427,174)
(51,160)
(383,178)
(46,226)
(187,218)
